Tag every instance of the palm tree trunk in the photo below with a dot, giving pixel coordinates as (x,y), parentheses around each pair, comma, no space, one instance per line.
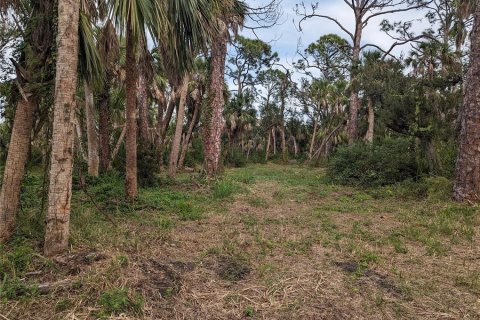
(186,141)
(172,164)
(213,113)
(467,177)
(104,129)
(15,166)
(92,138)
(131,188)
(60,189)
(371,121)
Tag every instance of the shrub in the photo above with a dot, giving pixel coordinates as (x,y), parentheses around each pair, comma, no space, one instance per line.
(147,164)
(236,158)
(384,162)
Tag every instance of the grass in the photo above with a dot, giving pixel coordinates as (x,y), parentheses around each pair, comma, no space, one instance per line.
(265,241)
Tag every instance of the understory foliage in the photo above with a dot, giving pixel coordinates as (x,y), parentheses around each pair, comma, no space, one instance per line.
(383,162)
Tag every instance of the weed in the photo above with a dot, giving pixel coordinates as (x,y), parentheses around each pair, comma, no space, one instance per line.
(224,189)
(122,261)
(118,300)
(249,311)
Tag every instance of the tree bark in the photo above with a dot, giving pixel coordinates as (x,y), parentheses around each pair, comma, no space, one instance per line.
(274,135)
(104,129)
(213,112)
(117,146)
(354,100)
(282,120)
(15,166)
(267,149)
(467,176)
(295,148)
(92,138)
(173,161)
(164,127)
(312,142)
(371,121)
(60,189)
(79,137)
(193,123)
(142,103)
(131,187)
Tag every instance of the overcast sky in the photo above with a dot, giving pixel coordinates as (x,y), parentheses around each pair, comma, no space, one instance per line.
(285,37)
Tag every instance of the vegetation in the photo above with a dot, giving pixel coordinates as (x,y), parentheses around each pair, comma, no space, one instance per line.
(161,160)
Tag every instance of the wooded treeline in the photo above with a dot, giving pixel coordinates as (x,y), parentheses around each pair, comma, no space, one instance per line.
(144,87)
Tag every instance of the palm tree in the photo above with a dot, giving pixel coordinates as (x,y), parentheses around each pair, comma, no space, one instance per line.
(60,176)
(33,72)
(182,27)
(230,17)
(132,18)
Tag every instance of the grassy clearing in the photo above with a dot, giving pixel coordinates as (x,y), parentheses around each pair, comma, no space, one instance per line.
(266,241)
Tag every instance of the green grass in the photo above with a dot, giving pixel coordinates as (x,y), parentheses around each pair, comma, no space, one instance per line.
(118,300)
(265,219)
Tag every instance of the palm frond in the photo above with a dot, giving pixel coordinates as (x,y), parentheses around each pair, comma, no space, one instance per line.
(90,64)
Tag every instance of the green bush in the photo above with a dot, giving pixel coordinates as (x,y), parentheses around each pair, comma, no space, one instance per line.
(147,164)
(384,162)
(236,158)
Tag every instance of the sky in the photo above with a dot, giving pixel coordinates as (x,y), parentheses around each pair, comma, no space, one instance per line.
(286,36)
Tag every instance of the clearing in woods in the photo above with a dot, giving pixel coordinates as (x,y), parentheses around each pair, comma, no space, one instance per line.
(265,242)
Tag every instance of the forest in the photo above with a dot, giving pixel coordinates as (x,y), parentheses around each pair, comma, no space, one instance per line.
(206,159)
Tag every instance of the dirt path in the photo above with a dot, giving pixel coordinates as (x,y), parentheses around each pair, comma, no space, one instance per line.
(272,253)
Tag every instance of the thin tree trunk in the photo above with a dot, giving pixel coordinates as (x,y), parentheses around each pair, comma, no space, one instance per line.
(274,141)
(131,187)
(104,129)
(60,189)
(164,127)
(142,103)
(371,121)
(191,126)
(213,114)
(79,137)
(267,150)
(312,142)
(117,146)
(172,164)
(295,148)
(467,176)
(15,166)
(282,121)
(92,138)
(354,100)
